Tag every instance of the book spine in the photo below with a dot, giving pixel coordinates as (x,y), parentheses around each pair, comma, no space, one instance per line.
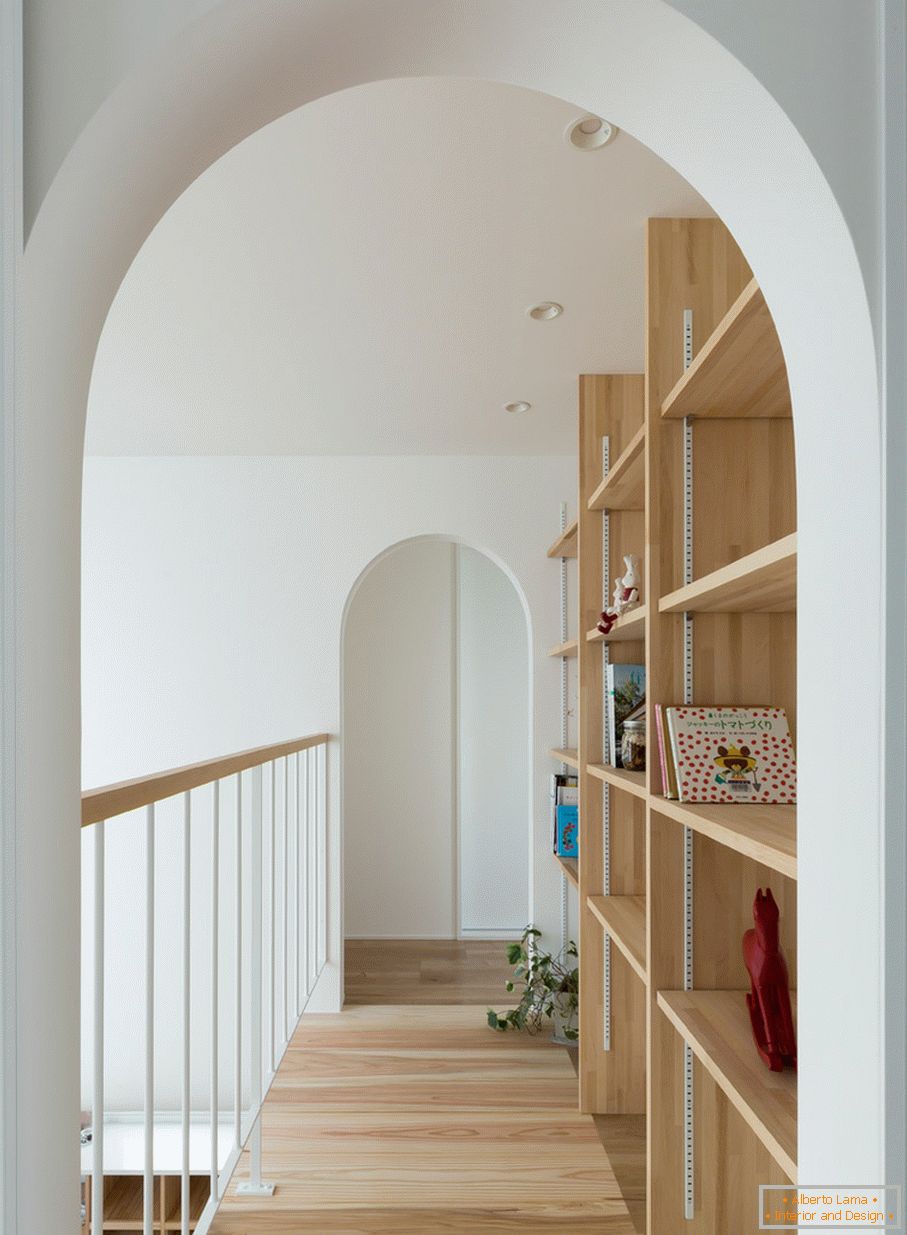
(659,730)
(669,717)
(612,718)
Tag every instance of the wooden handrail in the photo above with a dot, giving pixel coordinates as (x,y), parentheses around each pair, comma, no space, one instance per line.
(111,800)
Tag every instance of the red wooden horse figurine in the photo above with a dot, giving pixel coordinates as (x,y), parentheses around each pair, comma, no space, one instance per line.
(769,997)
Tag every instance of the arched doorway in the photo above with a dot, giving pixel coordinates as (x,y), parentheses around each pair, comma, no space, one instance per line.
(637,64)
(436,740)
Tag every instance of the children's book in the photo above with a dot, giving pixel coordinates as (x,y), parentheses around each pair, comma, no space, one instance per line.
(567,832)
(626,686)
(727,754)
(564,790)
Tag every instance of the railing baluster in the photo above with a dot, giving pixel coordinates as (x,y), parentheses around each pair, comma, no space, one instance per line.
(313,874)
(254,1185)
(186,1094)
(286,900)
(321,760)
(148,1179)
(297,1001)
(97,1086)
(215,914)
(304,846)
(237,1031)
(273,953)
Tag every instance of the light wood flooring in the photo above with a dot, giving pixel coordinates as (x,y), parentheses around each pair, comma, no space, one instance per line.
(412,1116)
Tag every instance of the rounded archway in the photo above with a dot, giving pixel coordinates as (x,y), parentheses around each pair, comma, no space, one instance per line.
(639,63)
(445,712)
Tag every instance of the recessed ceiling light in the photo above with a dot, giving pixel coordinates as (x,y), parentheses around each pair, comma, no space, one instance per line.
(590,133)
(544,311)
(519,406)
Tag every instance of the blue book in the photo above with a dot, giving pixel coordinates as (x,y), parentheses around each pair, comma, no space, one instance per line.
(567,831)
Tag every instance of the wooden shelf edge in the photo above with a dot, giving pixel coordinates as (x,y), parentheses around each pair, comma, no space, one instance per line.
(570,648)
(565,545)
(565,755)
(716,1026)
(570,867)
(618,489)
(764,581)
(624,918)
(629,626)
(631,782)
(745,339)
(742,827)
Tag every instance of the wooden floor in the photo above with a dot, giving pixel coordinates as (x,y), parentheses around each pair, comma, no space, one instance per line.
(413,1116)
(434,971)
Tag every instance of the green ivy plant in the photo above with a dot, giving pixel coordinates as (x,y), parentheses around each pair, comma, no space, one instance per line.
(549,985)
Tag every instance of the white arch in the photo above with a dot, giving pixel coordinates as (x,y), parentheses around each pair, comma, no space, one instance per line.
(641,64)
(514,581)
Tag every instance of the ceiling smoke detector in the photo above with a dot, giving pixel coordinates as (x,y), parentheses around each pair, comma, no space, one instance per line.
(590,133)
(519,406)
(545,310)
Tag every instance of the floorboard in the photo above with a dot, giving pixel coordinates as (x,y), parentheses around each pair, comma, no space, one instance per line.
(415,1117)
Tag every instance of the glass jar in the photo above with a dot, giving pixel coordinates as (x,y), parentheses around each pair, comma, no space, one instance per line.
(633,746)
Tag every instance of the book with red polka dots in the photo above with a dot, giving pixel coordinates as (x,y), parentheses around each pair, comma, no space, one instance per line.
(727,754)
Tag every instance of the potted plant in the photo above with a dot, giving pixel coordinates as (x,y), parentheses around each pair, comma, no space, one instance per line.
(549,989)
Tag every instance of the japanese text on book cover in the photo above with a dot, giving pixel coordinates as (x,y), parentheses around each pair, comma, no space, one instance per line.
(726,754)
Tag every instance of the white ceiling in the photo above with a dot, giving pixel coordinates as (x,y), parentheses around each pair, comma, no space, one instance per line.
(354,279)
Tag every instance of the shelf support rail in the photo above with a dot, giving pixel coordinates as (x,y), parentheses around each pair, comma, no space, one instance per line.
(689,1198)
(299,948)
(606,747)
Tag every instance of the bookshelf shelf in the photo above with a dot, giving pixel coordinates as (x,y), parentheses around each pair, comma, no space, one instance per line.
(631,782)
(761,582)
(629,626)
(739,371)
(624,918)
(767,834)
(570,648)
(624,486)
(565,755)
(570,867)
(565,545)
(716,1025)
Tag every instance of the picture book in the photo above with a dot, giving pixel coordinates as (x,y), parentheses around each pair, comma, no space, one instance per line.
(729,754)
(626,687)
(564,790)
(567,832)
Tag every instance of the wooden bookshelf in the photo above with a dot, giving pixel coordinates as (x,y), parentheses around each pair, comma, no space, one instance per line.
(629,627)
(739,371)
(570,867)
(565,755)
(767,834)
(630,782)
(761,582)
(624,486)
(716,1024)
(624,918)
(570,648)
(565,545)
(742,604)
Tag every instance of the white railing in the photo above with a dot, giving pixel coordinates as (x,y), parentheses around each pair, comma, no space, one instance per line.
(278,807)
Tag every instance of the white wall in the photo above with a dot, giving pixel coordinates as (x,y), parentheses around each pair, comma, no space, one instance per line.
(213,596)
(398,731)
(493,763)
